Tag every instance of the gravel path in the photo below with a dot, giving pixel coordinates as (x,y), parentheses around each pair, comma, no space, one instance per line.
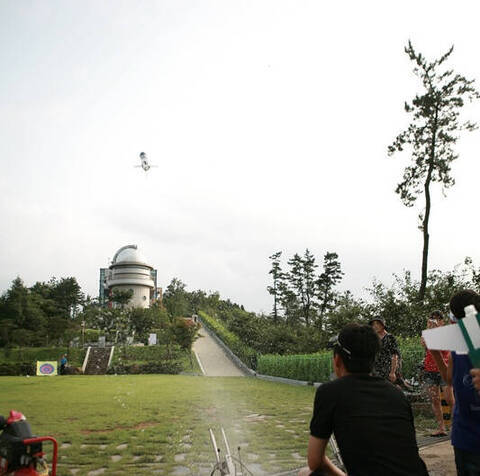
(213,359)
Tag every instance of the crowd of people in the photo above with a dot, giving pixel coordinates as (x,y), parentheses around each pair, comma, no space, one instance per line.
(371,417)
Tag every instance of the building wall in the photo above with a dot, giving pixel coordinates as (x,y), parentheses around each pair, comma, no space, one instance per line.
(141,295)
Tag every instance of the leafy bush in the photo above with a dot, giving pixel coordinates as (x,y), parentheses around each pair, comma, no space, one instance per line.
(91,335)
(153,353)
(318,367)
(75,356)
(412,355)
(17,368)
(172,366)
(245,353)
(307,367)
(155,359)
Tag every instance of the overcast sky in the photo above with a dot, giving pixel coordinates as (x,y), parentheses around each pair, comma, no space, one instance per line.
(269,122)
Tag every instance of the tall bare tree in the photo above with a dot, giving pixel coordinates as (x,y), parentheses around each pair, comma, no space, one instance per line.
(433,131)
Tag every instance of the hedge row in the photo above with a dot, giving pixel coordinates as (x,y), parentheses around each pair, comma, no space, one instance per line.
(318,367)
(246,354)
(75,355)
(17,368)
(307,367)
(153,353)
(173,366)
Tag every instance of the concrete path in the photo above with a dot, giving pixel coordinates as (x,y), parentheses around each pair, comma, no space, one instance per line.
(213,359)
(439,459)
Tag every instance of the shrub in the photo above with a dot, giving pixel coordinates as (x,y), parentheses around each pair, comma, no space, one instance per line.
(17,368)
(318,367)
(32,354)
(307,367)
(153,353)
(172,366)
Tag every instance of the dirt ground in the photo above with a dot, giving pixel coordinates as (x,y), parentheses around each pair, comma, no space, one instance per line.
(439,459)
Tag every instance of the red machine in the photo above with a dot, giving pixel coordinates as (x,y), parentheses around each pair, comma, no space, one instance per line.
(20,451)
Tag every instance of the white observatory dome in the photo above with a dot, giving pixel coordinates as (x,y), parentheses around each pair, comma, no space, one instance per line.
(130,255)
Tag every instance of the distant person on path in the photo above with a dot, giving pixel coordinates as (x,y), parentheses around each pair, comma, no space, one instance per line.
(371,419)
(387,361)
(63,364)
(432,379)
(466,414)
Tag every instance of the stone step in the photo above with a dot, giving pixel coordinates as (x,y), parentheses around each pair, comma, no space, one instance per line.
(97,363)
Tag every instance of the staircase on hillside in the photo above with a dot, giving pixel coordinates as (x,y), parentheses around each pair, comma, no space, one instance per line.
(97,362)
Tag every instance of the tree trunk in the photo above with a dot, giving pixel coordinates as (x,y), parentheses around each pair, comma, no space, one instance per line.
(275,310)
(426,218)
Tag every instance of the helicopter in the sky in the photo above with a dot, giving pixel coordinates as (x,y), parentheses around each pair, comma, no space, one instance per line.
(144,162)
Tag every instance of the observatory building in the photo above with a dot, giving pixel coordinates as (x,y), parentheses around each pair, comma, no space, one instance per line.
(129,270)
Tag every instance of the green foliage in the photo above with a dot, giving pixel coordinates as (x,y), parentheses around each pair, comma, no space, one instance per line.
(306,367)
(17,368)
(175,299)
(412,353)
(75,356)
(318,367)
(246,354)
(171,367)
(185,332)
(122,297)
(276,273)
(91,335)
(331,276)
(303,296)
(156,359)
(431,135)
(40,315)
(404,314)
(145,353)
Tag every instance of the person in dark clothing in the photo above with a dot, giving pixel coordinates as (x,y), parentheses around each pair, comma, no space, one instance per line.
(63,364)
(388,358)
(371,419)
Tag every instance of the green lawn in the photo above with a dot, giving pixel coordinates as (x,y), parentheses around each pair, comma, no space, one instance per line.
(147,424)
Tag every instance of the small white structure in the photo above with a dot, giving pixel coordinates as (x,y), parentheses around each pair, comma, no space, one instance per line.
(129,270)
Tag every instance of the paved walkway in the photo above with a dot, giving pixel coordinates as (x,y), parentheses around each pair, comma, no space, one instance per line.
(439,459)
(213,359)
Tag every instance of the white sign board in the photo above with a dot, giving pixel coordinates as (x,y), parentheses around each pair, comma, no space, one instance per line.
(152,339)
(451,337)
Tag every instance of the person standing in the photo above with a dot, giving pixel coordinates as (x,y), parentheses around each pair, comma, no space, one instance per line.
(63,364)
(466,414)
(371,419)
(387,361)
(432,378)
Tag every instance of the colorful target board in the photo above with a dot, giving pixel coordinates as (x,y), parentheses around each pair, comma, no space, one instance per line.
(46,368)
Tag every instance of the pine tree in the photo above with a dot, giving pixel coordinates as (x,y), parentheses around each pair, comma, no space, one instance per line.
(331,276)
(276,273)
(431,136)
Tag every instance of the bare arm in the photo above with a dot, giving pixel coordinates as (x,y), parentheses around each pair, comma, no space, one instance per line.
(444,369)
(393,368)
(318,460)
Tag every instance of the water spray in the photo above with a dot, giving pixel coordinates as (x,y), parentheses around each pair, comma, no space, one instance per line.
(229,465)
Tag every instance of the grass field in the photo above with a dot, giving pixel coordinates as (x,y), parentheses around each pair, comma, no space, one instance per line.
(158,424)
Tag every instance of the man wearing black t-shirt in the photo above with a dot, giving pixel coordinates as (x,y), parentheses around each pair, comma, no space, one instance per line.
(371,419)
